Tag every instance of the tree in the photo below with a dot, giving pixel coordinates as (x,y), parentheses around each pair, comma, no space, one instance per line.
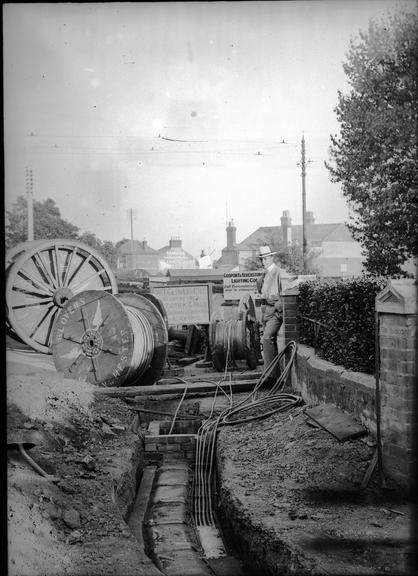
(374,157)
(121,242)
(106,248)
(110,252)
(47,222)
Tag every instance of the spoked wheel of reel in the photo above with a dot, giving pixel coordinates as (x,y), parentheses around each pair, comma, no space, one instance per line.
(41,276)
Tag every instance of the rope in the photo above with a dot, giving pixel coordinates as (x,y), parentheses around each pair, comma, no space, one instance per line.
(143,342)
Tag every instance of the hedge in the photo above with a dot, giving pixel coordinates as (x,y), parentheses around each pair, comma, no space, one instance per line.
(344,315)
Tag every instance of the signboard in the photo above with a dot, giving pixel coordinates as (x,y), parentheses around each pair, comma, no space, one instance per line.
(238,284)
(185,304)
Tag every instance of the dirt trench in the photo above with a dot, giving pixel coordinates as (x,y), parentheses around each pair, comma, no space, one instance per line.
(289,492)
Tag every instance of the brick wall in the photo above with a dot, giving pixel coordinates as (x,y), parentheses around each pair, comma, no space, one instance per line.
(397,342)
(290,315)
(321,381)
(182,445)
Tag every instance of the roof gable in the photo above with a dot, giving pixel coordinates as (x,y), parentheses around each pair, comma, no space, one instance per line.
(135,247)
(340,233)
(316,233)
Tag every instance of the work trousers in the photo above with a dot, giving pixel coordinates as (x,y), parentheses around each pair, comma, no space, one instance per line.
(272,320)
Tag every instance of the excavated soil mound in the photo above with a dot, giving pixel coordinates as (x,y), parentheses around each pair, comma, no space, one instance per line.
(74,524)
(291,491)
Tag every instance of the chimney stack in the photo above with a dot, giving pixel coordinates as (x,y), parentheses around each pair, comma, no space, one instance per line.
(231,232)
(175,242)
(286,223)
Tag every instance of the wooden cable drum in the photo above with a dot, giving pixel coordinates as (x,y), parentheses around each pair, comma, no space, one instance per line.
(41,276)
(236,339)
(148,295)
(158,303)
(13,253)
(110,340)
(11,256)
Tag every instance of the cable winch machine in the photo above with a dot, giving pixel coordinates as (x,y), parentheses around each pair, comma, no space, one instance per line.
(62,299)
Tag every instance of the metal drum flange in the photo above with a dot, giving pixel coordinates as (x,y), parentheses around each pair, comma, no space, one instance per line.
(92,340)
(41,277)
(95,340)
(236,339)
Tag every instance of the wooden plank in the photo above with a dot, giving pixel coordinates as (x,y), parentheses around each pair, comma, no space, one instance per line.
(160,389)
(213,376)
(187,360)
(369,471)
(336,422)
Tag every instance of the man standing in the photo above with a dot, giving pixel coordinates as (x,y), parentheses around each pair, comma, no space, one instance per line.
(269,286)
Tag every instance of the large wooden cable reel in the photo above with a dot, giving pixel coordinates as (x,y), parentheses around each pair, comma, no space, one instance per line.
(158,304)
(11,256)
(110,340)
(41,276)
(236,339)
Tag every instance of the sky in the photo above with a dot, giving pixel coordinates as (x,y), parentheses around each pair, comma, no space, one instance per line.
(184,115)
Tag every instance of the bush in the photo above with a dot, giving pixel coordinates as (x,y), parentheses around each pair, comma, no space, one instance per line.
(344,315)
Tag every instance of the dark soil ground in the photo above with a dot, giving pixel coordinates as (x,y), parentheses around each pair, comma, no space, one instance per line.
(297,484)
(292,481)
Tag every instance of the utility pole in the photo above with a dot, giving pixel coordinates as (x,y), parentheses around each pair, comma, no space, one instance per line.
(132,227)
(302,164)
(29,201)
(131,213)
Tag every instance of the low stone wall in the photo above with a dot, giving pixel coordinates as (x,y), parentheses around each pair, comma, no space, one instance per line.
(396,320)
(319,381)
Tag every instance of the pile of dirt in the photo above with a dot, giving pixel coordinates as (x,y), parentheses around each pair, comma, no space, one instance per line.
(292,492)
(74,521)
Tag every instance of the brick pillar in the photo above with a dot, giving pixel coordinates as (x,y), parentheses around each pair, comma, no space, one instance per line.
(291,326)
(397,314)
(290,315)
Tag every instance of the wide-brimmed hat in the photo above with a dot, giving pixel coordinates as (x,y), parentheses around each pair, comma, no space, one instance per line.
(265,251)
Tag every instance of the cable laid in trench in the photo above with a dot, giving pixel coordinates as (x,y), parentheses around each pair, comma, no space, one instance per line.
(205,470)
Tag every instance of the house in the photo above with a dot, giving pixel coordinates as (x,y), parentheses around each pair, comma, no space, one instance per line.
(337,253)
(135,255)
(174,256)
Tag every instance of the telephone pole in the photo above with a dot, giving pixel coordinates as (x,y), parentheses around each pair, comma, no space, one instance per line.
(302,164)
(29,201)
(131,216)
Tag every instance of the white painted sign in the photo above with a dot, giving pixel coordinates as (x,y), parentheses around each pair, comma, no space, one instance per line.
(238,284)
(185,304)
